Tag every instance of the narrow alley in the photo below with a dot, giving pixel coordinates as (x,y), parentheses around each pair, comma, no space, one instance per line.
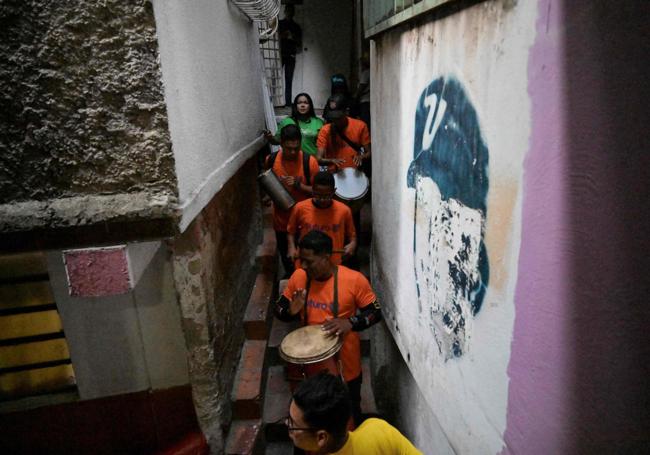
(204,204)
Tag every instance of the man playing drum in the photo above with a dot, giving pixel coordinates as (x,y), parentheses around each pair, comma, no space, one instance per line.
(318,423)
(330,295)
(323,213)
(290,165)
(345,141)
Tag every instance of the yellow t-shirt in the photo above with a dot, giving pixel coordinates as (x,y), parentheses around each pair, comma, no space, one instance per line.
(377,437)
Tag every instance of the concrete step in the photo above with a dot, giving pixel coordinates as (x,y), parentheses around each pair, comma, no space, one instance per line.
(244,438)
(246,393)
(256,316)
(279,448)
(265,256)
(277,397)
(279,330)
(368,404)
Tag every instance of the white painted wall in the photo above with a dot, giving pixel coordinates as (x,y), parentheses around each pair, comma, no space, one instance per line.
(485,47)
(211,72)
(125,343)
(327,44)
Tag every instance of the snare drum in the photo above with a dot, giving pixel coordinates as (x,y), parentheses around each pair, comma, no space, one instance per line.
(351,187)
(312,351)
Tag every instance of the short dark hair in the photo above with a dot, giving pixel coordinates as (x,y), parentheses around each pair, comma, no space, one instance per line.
(325,404)
(317,241)
(290,133)
(324,178)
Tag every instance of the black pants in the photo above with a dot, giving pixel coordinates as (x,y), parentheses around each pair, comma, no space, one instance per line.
(289,66)
(282,241)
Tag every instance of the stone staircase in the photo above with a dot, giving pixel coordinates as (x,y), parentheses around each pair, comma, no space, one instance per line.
(260,395)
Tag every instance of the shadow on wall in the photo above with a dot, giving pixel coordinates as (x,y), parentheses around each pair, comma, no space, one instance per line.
(609,168)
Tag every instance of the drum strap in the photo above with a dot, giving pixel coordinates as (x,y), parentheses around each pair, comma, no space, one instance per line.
(354,145)
(335,303)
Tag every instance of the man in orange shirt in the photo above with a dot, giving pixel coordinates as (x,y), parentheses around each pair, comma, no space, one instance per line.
(335,297)
(289,165)
(323,213)
(345,141)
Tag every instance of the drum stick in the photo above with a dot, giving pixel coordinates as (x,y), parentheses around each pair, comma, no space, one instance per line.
(338,251)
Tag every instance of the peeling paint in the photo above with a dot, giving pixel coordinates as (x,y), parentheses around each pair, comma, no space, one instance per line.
(449,174)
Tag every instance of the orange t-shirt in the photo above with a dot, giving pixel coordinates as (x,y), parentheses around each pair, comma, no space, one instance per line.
(335,221)
(356,131)
(283,168)
(354,293)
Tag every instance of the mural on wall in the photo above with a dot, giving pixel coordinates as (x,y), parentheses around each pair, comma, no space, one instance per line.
(449,173)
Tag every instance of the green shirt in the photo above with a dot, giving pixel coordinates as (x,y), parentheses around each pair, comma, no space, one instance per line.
(309,130)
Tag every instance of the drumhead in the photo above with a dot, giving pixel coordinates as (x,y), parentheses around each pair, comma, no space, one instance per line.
(351,184)
(308,344)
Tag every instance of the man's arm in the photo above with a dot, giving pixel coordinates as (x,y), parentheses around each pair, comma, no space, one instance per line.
(367,317)
(288,310)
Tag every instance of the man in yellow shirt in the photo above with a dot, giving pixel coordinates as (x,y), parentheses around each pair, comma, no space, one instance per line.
(318,422)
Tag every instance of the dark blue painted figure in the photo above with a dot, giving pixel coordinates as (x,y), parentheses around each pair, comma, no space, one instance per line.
(449,148)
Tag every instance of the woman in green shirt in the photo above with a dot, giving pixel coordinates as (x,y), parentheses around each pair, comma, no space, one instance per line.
(303,115)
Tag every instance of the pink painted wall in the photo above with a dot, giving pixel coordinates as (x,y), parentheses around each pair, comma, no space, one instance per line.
(579,363)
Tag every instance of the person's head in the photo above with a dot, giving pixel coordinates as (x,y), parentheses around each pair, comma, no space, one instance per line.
(302,106)
(290,138)
(323,188)
(319,414)
(289,11)
(337,111)
(315,253)
(339,85)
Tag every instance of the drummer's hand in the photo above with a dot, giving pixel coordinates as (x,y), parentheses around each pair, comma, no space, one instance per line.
(297,301)
(358,159)
(348,250)
(290,180)
(337,162)
(268,135)
(337,327)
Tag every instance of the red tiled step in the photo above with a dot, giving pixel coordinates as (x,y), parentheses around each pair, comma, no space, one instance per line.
(192,444)
(256,315)
(276,405)
(243,438)
(247,390)
(266,258)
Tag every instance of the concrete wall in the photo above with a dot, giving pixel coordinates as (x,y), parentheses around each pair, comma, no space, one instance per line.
(214,271)
(124,343)
(327,46)
(502,198)
(213,89)
(83,113)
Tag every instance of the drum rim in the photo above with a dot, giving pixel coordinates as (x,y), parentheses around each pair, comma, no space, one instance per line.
(355,198)
(312,359)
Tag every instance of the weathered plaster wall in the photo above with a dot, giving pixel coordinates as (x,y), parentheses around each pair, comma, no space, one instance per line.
(124,343)
(213,88)
(81,103)
(452,117)
(213,274)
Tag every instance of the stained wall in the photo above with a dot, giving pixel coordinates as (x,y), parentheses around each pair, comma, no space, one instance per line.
(214,271)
